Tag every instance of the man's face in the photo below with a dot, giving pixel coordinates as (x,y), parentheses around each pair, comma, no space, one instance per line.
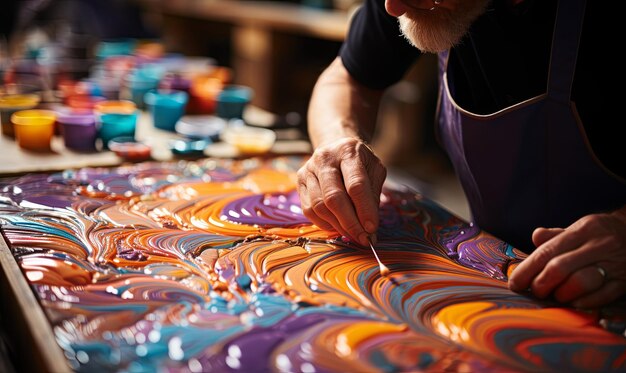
(438,29)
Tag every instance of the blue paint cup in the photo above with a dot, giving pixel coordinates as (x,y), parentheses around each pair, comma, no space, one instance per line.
(137,84)
(112,125)
(232,100)
(166,107)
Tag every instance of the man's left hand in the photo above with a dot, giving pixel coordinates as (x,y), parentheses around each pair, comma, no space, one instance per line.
(583,265)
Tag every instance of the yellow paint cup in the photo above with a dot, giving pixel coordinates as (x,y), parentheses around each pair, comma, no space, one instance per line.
(11,103)
(34,128)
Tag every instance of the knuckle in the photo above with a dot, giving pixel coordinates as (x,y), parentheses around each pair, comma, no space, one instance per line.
(357,186)
(309,213)
(301,175)
(545,253)
(555,268)
(588,223)
(334,199)
(318,206)
(354,229)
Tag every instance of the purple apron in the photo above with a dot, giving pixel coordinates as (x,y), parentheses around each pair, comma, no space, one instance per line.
(529,165)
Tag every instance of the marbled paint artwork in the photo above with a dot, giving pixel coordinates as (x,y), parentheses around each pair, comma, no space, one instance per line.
(210,266)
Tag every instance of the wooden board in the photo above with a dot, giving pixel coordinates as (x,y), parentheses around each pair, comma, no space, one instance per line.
(26,323)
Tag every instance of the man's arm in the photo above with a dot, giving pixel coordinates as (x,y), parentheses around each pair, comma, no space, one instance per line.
(340,185)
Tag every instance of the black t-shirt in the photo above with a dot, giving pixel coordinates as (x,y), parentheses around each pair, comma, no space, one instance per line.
(504,60)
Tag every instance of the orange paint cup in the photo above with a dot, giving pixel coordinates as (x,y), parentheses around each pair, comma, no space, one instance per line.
(34,128)
(115,107)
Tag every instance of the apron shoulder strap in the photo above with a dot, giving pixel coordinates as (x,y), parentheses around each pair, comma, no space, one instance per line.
(565,41)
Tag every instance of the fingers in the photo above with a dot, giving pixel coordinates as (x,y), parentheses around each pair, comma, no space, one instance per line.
(541,235)
(527,270)
(364,190)
(337,201)
(565,264)
(564,268)
(581,282)
(313,206)
(340,189)
(609,292)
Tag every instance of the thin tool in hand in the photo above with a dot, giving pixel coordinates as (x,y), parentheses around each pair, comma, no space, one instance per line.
(384,271)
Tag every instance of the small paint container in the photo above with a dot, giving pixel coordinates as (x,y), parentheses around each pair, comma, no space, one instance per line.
(199,127)
(114,125)
(78,129)
(175,82)
(11,103)
(136,86)
(115,119)
(166,107)
(71,88)
(205,88)
(189,148)
(249,140)
(232,101)
(34,128)
(115,47)
(115,107)
(83,103)
(130,149)
(106,86)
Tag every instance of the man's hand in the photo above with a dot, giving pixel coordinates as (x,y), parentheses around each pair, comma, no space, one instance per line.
(583,265)
(340,188)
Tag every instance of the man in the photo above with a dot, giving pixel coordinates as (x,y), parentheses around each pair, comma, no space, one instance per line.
(522,114)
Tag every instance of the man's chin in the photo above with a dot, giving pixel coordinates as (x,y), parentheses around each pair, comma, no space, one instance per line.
(440,30)
(426,35)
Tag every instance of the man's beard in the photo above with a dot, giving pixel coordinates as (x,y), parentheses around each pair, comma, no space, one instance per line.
(440,29)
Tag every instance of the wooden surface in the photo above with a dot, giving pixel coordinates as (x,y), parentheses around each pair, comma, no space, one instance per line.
(15,160)
(288,17)
(29,329)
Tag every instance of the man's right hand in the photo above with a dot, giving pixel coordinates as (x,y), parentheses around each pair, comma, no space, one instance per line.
(340,188)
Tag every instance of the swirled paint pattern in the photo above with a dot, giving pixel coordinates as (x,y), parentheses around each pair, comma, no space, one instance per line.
(210,266)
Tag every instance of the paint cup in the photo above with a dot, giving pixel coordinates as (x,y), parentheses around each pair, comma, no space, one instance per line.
(200,127)
(105,83)
(175,82)
(83,103)
(249,140)
(71,88)
(129,149)
(11,103)
(34,128)
(136,85)
(115,107)
(166,107)
(205,88)
(78,129)
(115,119)
(115,47)
(232,101)
(114,125)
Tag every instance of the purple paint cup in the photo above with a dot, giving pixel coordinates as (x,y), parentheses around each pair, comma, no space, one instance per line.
(79,130)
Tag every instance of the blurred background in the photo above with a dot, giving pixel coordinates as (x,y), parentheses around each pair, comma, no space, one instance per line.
(278,49)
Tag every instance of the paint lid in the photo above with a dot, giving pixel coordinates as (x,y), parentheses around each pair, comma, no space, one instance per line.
(33,117)
(67,116)
(200,126)
(19,101)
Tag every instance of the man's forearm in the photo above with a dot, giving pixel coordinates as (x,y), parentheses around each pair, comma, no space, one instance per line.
(341,107)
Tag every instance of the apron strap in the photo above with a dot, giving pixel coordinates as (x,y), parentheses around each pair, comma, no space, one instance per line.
(567,30)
